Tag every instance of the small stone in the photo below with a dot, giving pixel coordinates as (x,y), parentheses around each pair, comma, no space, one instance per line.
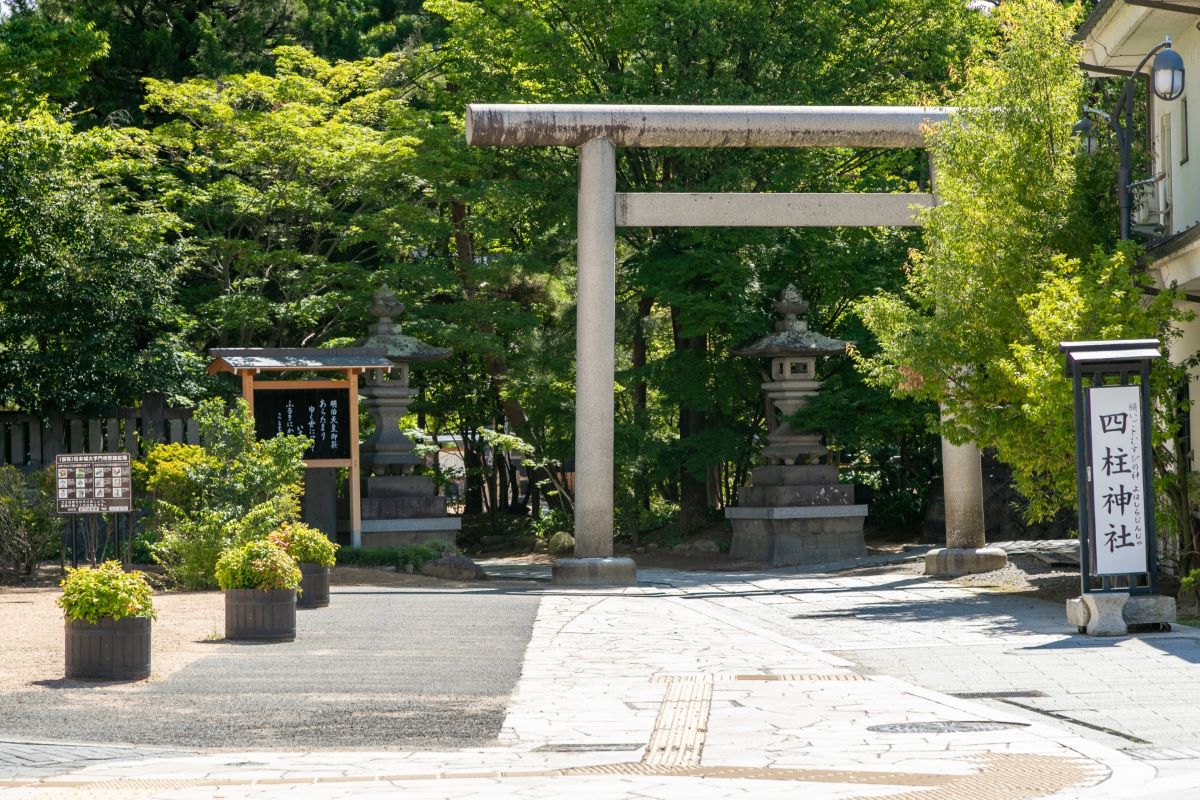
(1077,612)
(408,568)
(652,546)
(453,568)
(697,547)
(561,544)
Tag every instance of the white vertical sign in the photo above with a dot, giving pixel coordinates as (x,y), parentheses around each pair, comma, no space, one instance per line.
(1119,544)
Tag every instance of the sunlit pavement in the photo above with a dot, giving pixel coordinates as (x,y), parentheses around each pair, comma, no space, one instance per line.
(700,685)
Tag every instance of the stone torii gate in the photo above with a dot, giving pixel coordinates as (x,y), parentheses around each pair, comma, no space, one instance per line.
(597,130)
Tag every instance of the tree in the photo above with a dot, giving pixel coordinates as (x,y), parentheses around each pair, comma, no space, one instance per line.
(293,187)
(1008,270)
(173,40)
(42,60)
(686,296)
(87,315)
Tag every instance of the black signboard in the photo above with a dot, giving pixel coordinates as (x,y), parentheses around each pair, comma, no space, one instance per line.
(93,483)
(322,415)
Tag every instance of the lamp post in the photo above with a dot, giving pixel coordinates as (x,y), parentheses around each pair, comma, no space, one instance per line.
(1166,81)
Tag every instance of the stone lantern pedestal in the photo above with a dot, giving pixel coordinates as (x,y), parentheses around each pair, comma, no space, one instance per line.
(794,511)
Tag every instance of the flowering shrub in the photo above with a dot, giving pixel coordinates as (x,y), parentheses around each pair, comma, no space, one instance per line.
(258,564)
(94,593)
(306,545)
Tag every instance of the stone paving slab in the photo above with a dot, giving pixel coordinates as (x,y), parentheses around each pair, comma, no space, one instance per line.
(717,705)
(710,685)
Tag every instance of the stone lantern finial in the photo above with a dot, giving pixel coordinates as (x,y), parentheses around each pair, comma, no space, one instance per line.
(383,307)
(790,304)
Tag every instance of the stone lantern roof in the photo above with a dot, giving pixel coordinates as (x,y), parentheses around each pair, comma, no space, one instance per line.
(386,335)
(791,336)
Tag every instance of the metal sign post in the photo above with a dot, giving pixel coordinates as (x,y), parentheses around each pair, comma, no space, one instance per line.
(94,484)
(1114,469)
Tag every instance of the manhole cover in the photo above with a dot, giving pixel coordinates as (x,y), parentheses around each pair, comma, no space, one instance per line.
(944,727)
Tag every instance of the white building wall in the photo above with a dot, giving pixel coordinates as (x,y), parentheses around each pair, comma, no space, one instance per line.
(1183,182)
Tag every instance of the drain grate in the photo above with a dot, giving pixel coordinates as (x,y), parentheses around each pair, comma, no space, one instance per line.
(710,677)
(849,676)
(588,748)
(1163,753)
(947,726)
(995,695)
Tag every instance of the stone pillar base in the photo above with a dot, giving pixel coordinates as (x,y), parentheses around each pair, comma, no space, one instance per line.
(1140,609)
(594,572)
(951,562)
(1099,614)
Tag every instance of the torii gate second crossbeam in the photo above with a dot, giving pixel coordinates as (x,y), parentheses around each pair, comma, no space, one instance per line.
(597,130)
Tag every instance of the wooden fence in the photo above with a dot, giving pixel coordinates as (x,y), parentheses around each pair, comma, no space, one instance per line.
(29,442)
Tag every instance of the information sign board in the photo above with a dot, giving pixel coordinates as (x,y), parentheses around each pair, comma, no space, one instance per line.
(1119,542)
(322,415)
(93,483)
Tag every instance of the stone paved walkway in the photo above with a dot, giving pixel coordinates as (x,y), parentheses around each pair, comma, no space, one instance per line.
(777,684)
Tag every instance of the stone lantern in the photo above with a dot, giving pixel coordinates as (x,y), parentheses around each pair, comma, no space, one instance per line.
(398,508)
(387,393)
(794,511)
(793,350)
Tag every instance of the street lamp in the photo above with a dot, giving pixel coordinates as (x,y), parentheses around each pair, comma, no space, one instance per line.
(1166,81)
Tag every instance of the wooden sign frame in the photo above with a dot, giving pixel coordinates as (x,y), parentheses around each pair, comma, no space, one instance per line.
(246,363)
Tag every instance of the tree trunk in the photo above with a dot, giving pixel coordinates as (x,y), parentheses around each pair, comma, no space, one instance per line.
(641,484)
(502,494)
(693,491)
(473,480)
(497,366)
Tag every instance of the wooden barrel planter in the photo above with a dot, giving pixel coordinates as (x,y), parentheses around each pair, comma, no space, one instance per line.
(258,615)
(314,586)
(108,650)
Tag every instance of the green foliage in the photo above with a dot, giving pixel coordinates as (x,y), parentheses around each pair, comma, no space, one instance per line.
(296,183)
(163,472)
(688,413)
(290,184)
(550,522)
(42,59)
(105,592)
(258,564)
(238,490)
(305,544)
(177,39)
(399,557)
(1191,583)
(1007,272)
(28,525)
(87,316)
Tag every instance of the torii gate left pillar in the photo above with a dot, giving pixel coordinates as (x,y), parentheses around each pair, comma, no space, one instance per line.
(597,130)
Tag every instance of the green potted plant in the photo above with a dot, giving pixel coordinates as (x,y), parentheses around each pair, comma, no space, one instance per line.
(260,581)
(107,612)
(315,554)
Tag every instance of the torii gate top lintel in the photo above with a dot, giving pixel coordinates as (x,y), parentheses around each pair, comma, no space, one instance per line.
(570,125)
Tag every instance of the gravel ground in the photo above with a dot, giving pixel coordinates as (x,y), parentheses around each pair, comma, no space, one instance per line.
(1024,575)
(395,662)
(1031,577)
